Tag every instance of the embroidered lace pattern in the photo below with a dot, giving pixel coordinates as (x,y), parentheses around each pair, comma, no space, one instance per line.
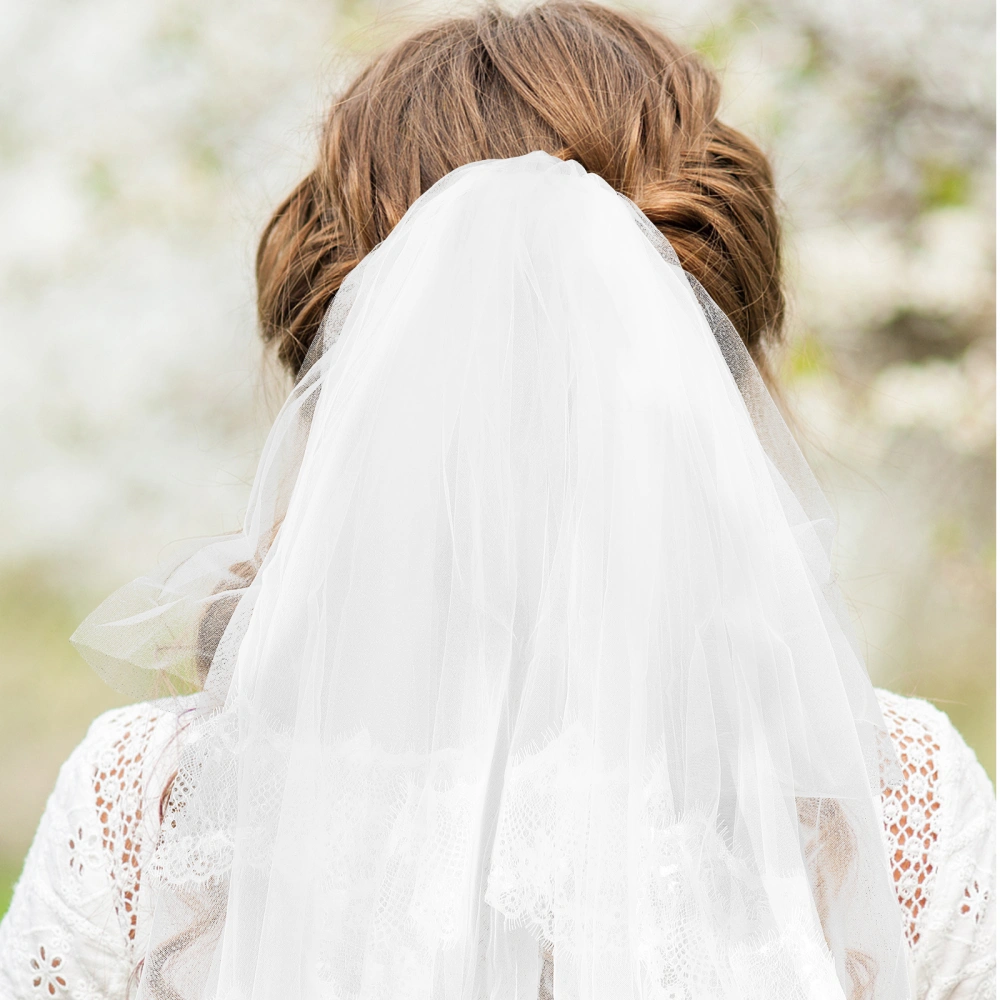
(77,925)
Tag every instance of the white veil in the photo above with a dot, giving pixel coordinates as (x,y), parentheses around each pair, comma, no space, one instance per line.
(528,652)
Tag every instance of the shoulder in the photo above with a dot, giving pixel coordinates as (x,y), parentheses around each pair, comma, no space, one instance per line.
(122,748)
(76,919)
(940,827)
(932,753)
(123,764)
(115,776)
(908,717)
(940,771)
(121,744)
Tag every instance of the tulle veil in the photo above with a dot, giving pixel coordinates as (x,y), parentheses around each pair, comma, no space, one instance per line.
(529,652)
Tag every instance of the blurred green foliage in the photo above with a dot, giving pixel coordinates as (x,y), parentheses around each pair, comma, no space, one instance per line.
(805,356)
(8,877)
(99,183)
(943,186)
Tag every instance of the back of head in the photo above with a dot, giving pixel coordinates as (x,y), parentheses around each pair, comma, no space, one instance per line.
(572,78)
(543,652)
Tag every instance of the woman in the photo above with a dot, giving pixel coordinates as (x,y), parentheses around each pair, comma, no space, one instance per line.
(526,676)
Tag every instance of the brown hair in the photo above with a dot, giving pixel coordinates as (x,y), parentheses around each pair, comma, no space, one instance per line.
(572,78)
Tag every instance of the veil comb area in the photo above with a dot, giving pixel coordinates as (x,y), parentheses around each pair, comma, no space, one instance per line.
(529,645)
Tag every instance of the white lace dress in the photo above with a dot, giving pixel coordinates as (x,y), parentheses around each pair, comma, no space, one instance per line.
(78,921)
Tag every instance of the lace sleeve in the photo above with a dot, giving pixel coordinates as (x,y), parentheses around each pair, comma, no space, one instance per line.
(75,925)
(940,829)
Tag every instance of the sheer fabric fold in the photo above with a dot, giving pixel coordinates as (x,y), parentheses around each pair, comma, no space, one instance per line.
(529,645)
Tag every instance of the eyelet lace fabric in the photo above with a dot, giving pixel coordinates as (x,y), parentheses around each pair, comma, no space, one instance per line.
(119,783)
(940,835)
(78,923)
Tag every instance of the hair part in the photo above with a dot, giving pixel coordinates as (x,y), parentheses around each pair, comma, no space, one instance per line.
(571,78)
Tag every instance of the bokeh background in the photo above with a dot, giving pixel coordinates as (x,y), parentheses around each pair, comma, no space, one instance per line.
(142,146)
